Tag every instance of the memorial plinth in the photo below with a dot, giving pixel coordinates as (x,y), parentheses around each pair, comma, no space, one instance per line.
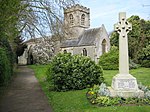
(124,84)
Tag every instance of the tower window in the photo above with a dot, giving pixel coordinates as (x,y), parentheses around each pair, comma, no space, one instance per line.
(71,19)
(84,52)
(83,19)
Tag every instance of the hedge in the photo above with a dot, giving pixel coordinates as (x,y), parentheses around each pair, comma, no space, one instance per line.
(5,68)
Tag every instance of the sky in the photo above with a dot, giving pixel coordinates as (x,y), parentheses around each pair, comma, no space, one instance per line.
(106,11)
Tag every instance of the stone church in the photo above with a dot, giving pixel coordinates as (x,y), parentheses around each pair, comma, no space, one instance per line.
(79,37)
(83,40)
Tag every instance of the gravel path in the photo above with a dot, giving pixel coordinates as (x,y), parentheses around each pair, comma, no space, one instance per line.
(24,94)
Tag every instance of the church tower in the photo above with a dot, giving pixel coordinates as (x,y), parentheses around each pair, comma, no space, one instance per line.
(76,20)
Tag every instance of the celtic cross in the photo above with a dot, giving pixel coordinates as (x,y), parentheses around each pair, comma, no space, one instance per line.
(123,27)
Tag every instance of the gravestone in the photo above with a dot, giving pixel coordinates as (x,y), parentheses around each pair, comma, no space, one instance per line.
(124,84)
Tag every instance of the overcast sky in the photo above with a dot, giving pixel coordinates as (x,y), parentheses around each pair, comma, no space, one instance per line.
(106,11)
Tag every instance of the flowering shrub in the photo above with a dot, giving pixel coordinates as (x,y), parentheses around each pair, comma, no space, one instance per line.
(100,95)
(43,51)
(92,94)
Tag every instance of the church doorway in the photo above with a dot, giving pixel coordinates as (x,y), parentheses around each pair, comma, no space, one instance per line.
(30,59)
(103,46)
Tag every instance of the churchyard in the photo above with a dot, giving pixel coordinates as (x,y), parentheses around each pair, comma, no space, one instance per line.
(76,101)
(82,69)
(77,84)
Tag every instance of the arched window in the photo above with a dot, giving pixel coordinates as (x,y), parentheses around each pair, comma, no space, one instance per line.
(71,19)
(103,46)
(83,19)
(84,52)
(65,51)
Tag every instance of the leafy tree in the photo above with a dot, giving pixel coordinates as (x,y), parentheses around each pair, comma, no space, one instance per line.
(9,10)
(138,38)
(20,46)
(144,56)
(114,40)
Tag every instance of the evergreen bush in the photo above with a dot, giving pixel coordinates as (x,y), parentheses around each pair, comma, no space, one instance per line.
(110,60)
(5,70)
(10,55)
(73,72)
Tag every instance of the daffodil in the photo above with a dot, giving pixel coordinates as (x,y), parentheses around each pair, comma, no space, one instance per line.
(92,92)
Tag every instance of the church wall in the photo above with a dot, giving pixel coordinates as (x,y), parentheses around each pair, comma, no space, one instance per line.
(99,41)
(90,51)
(68,49)
(79,50)
(106,37)
(99,46)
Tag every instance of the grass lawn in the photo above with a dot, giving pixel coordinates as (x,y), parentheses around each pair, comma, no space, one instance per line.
(75,101)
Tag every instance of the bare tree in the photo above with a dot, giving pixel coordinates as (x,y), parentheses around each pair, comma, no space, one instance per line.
(42,17)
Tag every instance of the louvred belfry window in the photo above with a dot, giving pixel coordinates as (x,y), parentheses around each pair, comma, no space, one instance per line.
(83,19)
(71,19)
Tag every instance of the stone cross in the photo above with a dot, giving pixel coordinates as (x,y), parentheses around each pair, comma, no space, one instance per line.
(124,84)
(123,28)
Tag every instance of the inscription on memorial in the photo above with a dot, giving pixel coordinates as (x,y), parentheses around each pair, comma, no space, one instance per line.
(126,84)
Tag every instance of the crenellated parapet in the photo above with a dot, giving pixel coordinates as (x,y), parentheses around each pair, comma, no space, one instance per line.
(77,7)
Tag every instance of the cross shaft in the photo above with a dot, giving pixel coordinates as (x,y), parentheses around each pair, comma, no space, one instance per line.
(123,28)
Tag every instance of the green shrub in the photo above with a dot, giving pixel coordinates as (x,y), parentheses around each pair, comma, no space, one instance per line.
(73,72)
(5,70)
(110,60)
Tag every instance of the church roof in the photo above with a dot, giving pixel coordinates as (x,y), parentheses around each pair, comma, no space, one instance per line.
(87,38)
(70,43)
